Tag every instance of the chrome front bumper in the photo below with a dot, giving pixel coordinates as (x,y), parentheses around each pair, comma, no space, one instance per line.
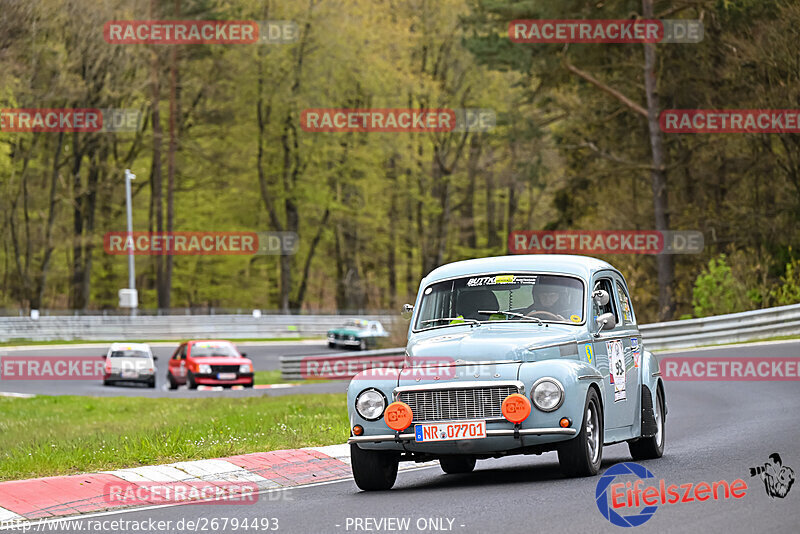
(489,433)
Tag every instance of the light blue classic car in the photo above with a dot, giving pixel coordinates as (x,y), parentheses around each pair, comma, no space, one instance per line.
(511,355)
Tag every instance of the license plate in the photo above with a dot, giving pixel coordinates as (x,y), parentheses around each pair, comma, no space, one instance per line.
(129,374)
(450,431)
(226,376)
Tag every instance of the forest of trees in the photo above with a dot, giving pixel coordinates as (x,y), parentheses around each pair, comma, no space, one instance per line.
(577,146)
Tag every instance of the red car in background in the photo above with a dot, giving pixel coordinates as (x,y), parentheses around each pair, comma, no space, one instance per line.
(209,363)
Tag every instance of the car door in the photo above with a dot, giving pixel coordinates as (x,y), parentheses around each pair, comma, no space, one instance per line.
(612,348)
(177,364)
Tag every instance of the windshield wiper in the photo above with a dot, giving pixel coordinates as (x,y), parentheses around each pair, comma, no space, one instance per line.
(460,319)
(513,314)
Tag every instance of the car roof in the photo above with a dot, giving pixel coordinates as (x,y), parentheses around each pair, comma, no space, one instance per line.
(582,266)
(210,341)
(130,346)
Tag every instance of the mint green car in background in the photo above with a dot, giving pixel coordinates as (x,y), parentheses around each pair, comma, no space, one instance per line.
(359,334)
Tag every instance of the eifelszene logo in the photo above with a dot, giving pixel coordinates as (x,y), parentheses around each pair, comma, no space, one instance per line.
(614,498)
(777,478)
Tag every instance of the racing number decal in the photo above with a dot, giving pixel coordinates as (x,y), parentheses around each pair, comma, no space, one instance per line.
(616,360)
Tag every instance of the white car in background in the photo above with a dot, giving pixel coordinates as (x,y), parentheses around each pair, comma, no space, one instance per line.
(130,362)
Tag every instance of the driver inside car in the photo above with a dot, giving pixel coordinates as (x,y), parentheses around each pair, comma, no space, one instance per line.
(548,300)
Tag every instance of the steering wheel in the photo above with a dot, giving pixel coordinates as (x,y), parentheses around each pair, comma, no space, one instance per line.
(547,315)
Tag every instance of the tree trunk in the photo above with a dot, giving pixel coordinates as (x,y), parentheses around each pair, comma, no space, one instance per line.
(155,169)
(174,131)
(664,263)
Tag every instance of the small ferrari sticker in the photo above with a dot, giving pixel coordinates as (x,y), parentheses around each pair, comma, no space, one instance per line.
(589,353)
(616,361)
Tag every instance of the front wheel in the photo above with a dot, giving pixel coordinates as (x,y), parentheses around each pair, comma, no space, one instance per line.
(457,464)
(374,470)
(190,383)
(651,447)
(581,456)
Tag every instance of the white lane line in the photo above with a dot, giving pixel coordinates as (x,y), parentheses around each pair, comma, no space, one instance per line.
(16,395)
(62,519)
(8,515)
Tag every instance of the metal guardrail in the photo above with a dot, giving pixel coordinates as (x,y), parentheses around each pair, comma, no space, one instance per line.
(721,329)
(126,328)
(338,365)
(717,330)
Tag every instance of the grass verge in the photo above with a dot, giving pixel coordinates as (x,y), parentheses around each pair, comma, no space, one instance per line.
(59,435)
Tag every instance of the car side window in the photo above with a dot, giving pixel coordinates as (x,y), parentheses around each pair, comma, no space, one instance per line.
(184,351)
(626,309)
(176,354)
(610,307)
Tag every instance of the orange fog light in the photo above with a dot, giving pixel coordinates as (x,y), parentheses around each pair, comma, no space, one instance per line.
(358,430)
(398,415)
(516,408)
(564,422)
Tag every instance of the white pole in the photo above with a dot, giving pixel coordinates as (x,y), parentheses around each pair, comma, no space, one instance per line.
(131,266)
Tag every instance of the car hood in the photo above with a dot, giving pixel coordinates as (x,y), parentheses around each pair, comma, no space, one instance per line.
(488,342)
(220,360)
(346,331)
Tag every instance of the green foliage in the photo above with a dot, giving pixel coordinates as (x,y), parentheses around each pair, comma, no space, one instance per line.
(717,291)
(788,292)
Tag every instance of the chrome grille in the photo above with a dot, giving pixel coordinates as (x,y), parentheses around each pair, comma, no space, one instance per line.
(456,404)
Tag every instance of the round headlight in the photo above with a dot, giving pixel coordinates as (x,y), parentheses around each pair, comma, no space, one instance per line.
(547,394)
(245,368)
(204,369)
(370,404)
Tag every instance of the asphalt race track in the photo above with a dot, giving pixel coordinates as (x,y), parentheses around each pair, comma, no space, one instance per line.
(715,431)
(265,357)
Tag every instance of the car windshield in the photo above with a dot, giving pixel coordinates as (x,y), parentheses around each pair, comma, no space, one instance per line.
(502,297)
(205,350)
(357,323)
(129,354)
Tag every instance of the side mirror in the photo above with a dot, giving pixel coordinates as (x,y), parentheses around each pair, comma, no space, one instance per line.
(104,355)
(600,297)
(605,322)
(155,358)
(244,354)
(407,312)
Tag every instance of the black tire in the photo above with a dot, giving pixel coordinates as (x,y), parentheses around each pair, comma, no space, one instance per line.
(248,386)
(374,470)
(152,383)
(172,383)
(453,465)
(107,383)
(576,457)
(190,383)
(652,447)
(331,345)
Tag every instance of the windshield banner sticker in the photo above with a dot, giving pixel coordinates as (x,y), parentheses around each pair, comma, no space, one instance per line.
(616,359)
(501,279)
